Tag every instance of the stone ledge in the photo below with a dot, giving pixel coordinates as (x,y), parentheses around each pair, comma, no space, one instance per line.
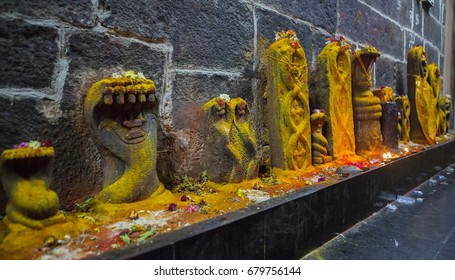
(288,227)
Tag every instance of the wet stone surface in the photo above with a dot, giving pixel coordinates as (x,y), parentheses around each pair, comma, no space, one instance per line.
(418,225)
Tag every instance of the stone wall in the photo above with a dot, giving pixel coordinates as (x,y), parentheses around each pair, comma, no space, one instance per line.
(194,50)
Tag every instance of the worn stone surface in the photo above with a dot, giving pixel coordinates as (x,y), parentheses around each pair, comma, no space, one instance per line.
(389,124)
(432,53)
(432,30)
(320,13)
(79,13)
(418,18)
(384,73)
(93,56)
(362,24)
(191,91)
(399,70)
(397,10)
(28,53)
(208,34)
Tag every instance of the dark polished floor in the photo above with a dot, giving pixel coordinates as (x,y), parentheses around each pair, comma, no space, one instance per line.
(420,225)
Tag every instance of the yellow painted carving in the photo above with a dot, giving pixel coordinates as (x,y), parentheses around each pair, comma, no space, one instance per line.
(367,107)
(25,177)
(434,80)
(230,142)
(288,105)
(121,110)
(423,97)
(318,142)
(444,118)
(334,94)
(404,126)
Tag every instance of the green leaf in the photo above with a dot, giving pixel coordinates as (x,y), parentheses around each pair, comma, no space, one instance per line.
(125,238)
(145,235)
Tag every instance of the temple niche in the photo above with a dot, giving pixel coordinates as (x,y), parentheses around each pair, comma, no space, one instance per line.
(367,107)
(230,143)
(121,111)
(288,103)
(421,98)
(334,89)
(25,172)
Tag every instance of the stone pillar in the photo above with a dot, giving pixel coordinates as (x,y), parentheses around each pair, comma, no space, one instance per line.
(333,88)
(367,107)
(122,113)
(287,103)
(421,98)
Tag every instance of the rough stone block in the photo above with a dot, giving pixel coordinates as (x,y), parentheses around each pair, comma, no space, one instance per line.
(384,72)
(412,40)
(432,53)
(210,34)
(28,54)
(362,24)
(389,124)
(399,70)
(397,10)
(79,12)
(432,30)
(320,13)
(269,22)
(191,91)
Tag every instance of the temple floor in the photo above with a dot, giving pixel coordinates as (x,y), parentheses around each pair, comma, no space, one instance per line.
(418,225)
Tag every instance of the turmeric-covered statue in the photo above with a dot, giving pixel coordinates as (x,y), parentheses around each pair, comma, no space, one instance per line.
(444,118)
(367,107)
(229,138)
(334,96)
(122,112)
(421,98)
(434,80)
(404,113)
(288,104)
(319,143)
(25,174)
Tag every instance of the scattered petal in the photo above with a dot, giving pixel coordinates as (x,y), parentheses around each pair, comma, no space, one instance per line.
(192,208)
(184,198)
(172,207)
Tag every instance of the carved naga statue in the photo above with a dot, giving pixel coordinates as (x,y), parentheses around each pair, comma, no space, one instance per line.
(121,110)
(25,172)
(444,118)
(334,95)
(288,103)
(434,80)
(319,143)
(404,111)
(230,142)
(421,97)
(367,107)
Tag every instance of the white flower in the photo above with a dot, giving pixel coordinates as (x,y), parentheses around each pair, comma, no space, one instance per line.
(130,74)
(225,97)
(34,144)
(140,75)
(116,75)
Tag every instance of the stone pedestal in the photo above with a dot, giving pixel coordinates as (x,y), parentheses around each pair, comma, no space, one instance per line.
(389,124)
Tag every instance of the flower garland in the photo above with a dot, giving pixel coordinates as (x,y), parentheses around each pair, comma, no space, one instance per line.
(29,149)
(290,35)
